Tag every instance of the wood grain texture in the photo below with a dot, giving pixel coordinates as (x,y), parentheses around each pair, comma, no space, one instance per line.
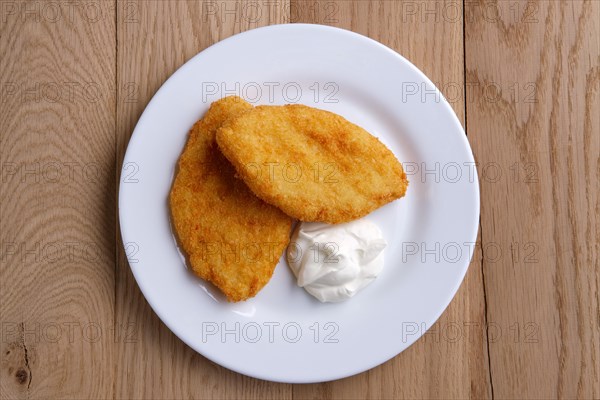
(523,77)
(57,199)
(154,39)
(451,360)
(533,118)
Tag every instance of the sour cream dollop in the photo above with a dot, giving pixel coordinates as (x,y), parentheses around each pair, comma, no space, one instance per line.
(334,262)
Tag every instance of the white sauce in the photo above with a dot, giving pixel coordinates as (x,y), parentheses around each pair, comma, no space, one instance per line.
(334,262)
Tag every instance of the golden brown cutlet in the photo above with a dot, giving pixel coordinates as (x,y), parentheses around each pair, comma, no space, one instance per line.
(312,164)
(231,237)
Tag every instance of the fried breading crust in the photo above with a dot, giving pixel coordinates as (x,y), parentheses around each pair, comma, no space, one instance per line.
(312,164)
(231,237)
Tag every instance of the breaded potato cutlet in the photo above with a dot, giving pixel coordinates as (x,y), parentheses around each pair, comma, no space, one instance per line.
(312,164)
(231,237)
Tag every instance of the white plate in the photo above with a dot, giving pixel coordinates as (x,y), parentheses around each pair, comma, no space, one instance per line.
(283,334)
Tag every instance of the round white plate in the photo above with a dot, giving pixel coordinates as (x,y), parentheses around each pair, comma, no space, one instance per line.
(284,334)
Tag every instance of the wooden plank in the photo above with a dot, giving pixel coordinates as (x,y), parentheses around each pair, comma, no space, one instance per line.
(451,360)
(154,39)
(57,118)
(533,121)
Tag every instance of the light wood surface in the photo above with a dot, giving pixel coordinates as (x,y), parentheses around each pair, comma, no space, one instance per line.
(523,78)
(533,115)
(57,203)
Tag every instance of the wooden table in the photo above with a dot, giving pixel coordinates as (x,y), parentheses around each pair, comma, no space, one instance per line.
(522,76)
